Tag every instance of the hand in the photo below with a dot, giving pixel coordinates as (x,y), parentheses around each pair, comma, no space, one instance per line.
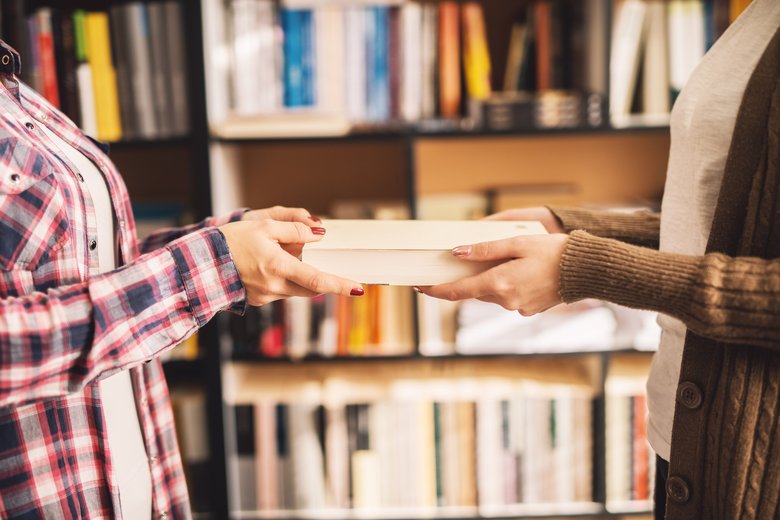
(542,214)
(269,272)
(284,214)
(528,282)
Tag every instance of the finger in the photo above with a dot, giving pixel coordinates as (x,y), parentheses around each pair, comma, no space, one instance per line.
(465,288)
(319,282)
(486,251)
(292,232)
(286,214)
(509,214)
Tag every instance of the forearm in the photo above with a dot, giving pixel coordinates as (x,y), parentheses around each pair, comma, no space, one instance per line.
(54,343)
(728,299)
(161,237)
(641,228)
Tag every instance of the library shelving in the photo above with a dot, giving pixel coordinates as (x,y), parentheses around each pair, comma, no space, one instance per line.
(405,108)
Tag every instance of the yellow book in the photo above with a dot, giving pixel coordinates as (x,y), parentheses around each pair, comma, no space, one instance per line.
(476,58)
(109,126)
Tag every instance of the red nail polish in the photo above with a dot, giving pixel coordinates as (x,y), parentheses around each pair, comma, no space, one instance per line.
(318,230)
(357,292)
(315,219)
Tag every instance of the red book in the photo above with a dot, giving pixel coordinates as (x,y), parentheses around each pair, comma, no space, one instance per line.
(46,58)
(641,453)
(449,59)
(543,29)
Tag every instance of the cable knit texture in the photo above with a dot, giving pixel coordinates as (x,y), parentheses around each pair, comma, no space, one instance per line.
(725,452)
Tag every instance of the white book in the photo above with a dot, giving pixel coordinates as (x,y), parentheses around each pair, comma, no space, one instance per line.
(686,40)
(490,474)
(307,463)
(139,51)
(407,252)
(249,94)
(86,99)
(655,65)
(429,51)
(329,65)
(355,63)
(627,35)
(411,61)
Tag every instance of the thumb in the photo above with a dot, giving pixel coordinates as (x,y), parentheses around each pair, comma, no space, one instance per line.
(486,251)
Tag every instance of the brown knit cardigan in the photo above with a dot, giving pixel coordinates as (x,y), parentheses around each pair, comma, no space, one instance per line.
(725,454)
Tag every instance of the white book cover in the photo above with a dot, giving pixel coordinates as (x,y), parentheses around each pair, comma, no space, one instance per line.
(307,463)
(139,50)
(429,50)
(627,36)
(217,58)
(249,95)
(490,474)
(337,457)
(86,99)
(407,252)
(355,63)
(655,73)
(686,40)
(329,65)
(411,61)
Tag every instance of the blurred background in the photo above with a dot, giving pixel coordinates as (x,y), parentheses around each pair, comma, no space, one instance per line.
(392,406)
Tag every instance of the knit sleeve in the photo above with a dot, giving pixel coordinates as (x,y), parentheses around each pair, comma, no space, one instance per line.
(729,299)
(641,227)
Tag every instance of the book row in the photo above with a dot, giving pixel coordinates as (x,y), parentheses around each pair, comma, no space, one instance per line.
(379,323)
(120,74)
(412,454)
(630,460)
(380,62)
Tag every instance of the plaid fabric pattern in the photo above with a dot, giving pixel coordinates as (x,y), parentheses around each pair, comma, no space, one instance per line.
(62,327)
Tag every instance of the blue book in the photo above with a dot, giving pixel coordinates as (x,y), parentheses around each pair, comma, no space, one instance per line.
(308,57)
(378,62)
(298,57)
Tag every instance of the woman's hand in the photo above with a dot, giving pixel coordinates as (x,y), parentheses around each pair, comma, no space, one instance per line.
(542,214)
(284,214)
(528,282)
(261,252)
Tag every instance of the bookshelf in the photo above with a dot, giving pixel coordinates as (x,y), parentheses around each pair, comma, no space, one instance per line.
(234,156)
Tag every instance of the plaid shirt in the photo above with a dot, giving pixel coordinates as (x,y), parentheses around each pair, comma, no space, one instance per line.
(63,327)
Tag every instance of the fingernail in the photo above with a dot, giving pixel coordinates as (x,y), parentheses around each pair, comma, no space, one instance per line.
(462,251)
(315,219)
(417,289)
(357,292)
(318,230)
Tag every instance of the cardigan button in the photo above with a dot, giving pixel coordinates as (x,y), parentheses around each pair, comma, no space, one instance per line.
(677,489)
(689,395)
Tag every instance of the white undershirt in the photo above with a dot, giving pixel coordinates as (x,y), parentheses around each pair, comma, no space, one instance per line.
(702,124)
(128,453)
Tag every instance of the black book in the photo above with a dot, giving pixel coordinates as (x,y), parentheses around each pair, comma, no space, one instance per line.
(65,59)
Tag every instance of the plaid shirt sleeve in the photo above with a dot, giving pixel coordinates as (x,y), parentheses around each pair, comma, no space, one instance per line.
(55,343)
(163,236)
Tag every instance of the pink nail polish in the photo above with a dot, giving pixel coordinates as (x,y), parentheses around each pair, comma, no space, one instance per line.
(318,230)
(357,292)
(462,251)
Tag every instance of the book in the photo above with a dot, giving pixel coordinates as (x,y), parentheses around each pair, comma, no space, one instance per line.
(449,59)
(104,89)
(178,93)
(140,68)
(476,58)
(406,252)
(87,113)
(625,55)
